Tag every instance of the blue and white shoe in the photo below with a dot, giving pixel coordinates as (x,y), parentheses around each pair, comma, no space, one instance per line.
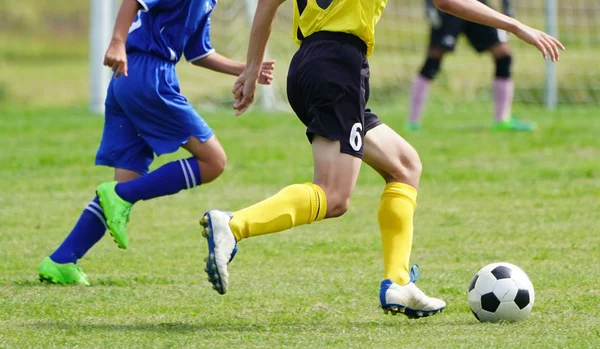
(408,299)
(222,247)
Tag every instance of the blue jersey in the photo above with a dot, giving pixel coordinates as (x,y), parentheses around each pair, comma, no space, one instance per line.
(169,29)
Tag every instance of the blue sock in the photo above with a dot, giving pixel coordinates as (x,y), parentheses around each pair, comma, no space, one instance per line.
(89,229)
(168,179)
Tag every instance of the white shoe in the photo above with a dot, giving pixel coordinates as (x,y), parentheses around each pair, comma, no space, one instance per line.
(222,247)
(408,300)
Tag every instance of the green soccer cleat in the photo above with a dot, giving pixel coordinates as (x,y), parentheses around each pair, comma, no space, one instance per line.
(413,127)
(513,125)
(62,274)
(116,211)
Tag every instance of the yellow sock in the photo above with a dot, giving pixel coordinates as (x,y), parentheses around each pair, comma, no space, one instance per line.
(294,205)
(396,210)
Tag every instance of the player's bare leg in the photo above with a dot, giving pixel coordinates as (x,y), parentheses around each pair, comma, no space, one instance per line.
(503,91)
(328,196)
(336,173)
(421,85)
(399,165)
(210,156)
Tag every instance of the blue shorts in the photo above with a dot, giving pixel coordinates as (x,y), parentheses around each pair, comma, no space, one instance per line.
(145,114)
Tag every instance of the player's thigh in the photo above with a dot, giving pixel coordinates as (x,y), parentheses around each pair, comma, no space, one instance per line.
(392,156)
(482,37)
(121,146)
(210,156)
(336,173)
(446,35)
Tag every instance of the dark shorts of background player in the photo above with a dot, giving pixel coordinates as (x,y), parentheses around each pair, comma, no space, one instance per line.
(481,37)
(328,88)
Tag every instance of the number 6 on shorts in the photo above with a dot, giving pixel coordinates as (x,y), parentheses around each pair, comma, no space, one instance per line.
(355,136)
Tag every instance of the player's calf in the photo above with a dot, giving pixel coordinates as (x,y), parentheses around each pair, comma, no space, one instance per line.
(503,67)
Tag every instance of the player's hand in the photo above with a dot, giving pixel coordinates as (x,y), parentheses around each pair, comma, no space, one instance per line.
(434,17)
(548,45)
(116,58)
(243,91)
(266,73)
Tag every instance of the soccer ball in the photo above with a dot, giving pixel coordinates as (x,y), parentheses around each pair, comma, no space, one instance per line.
(501,291)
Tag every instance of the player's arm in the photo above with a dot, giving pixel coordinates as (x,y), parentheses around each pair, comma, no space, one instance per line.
(220,64)
(475,11)
(245,84)
(225,65)
(116,56)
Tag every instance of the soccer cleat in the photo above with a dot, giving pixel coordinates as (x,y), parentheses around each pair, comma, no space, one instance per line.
(413,127)
(116,211)
(222,247)
(408,300)
(513,125)
(62,274)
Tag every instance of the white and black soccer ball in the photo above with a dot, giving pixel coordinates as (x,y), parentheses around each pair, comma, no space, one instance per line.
(501,291)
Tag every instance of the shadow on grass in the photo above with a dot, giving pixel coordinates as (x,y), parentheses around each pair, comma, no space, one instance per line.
(247,326)
(138,280)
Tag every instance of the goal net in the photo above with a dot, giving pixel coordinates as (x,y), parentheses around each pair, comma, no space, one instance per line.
(402,37)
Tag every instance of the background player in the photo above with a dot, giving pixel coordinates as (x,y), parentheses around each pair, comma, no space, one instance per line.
(445,29)
(146,115)
(328,88)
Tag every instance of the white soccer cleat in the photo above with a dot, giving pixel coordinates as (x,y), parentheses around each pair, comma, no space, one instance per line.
(408,300)
(222,247)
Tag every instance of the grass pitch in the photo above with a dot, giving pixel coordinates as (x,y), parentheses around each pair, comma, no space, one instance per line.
(529,199)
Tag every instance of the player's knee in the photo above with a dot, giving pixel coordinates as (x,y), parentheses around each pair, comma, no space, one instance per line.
(337,202)
(431,67)
(337,206)
(407,169)
(503,67)
(212,167)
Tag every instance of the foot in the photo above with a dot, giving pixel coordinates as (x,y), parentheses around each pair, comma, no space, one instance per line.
(221,247)
(408,299)
(116,211)
(63,274)
(413,127)
(513,125)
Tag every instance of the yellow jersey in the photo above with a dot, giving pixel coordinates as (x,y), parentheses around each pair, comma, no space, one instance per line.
(356,17)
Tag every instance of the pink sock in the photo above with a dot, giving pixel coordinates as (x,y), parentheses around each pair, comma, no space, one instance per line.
(503,97)
(418,95)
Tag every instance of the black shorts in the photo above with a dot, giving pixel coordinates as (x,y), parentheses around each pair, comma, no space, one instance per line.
(328,88)
(481,37)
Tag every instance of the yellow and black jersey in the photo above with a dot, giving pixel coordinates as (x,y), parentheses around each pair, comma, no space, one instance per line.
(356,17)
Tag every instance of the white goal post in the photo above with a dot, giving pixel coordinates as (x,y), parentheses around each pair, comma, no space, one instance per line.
(102,14)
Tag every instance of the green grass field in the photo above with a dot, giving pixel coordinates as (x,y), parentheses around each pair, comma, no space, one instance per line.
(530,199)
